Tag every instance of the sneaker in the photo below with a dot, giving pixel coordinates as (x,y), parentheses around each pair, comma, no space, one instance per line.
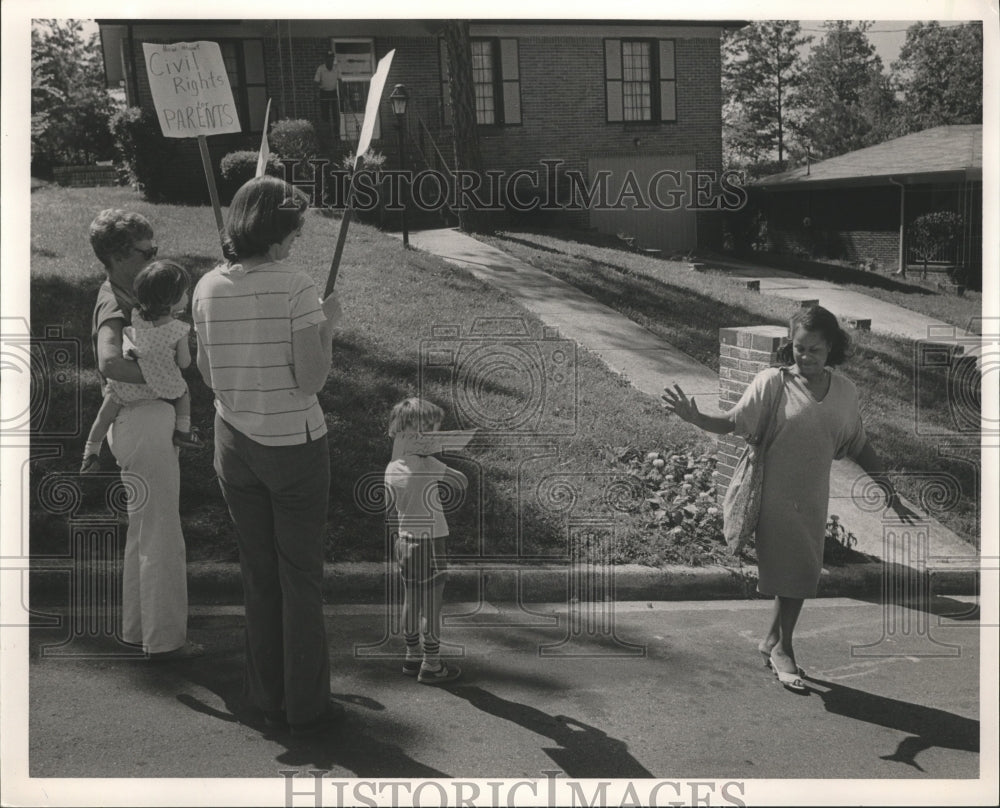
(91,464)
(331,717)
(446,673)
(411,667)
(188,440)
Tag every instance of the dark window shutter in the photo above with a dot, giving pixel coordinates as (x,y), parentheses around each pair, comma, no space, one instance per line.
(668,81)
(510,73)
(613,78)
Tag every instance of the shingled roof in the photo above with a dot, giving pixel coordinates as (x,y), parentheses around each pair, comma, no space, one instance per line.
(941,154)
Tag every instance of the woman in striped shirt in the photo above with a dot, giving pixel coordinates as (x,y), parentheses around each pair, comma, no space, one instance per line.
(264,347)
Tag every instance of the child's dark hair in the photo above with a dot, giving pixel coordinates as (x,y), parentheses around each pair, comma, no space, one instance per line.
(158,287)
(823,321)
(264,211)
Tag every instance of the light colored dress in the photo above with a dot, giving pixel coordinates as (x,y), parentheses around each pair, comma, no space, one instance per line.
(156,346)
(154,572)
(809,435)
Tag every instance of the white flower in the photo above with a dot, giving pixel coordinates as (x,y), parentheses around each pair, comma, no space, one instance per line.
(713,510)
(659,463)
(652,456)
(689,477)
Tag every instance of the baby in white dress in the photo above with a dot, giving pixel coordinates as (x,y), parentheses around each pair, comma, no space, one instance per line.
(159,341)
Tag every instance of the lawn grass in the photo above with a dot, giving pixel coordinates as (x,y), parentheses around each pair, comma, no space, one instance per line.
(393,300)
(908,408)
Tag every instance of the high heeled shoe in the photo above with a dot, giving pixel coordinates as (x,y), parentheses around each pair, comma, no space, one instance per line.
(790,681)
(767,662)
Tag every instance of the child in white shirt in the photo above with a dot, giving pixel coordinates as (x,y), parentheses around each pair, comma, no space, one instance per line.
(412,479)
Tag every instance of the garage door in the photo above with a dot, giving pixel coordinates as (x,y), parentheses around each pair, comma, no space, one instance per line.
(667,230)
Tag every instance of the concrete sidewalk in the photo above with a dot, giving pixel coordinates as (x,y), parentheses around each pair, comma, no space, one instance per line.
(650,364)
(886,318)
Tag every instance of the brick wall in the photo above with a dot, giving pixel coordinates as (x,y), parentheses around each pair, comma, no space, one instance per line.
(562,100)
(743,353)
(564,114)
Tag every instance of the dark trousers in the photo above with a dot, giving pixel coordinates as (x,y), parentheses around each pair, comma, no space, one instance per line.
(277,497)
(329,109)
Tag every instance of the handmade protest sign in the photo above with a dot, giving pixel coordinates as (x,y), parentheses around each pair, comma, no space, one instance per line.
(265,150)
(190,89)
(364,140)
(193,98)
(428,443)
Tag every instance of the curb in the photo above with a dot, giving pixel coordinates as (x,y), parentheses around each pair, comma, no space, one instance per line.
(212,583)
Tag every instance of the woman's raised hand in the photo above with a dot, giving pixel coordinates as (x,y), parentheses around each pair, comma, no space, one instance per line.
(675,402)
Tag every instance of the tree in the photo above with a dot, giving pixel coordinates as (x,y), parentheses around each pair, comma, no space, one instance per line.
(940,75)
(933,234)
(846,98)
(70,106)
(762,67)
(463,113)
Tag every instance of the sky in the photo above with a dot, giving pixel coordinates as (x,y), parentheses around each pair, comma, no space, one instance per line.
(887,36)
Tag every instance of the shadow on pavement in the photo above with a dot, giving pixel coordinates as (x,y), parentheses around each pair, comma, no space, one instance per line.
(926,727)
(584,751)
(347,746)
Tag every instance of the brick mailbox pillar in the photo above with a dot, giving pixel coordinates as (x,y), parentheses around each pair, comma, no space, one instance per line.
(744,351)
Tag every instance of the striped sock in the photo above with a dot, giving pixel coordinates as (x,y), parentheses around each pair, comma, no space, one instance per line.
(412,644)
(432,650)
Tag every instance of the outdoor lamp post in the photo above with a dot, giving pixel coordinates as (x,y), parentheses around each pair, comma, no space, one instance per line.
(399,97)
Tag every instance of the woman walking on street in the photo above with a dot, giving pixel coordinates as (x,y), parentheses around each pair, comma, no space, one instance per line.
(817,420)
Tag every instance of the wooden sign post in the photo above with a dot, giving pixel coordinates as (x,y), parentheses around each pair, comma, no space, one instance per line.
(193,98)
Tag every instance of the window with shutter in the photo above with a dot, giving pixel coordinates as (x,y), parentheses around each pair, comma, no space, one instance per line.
(640,80)
(496,78)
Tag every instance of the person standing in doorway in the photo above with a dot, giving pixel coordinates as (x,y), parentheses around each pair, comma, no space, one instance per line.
(327,80)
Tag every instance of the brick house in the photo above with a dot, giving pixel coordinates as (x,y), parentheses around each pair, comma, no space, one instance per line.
(859,206)
(588,96)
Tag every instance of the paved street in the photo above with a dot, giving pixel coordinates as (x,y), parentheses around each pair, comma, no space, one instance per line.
(653,690)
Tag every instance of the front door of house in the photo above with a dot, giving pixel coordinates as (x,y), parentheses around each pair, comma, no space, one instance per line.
(356,60)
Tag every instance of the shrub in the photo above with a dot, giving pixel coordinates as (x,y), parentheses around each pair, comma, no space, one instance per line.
(371,163)
(144,154)
(239,166)
(294,139)
(682,511)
